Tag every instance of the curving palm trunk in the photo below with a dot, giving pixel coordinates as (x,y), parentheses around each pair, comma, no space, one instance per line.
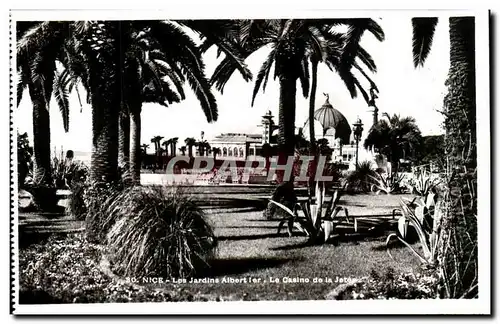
(135,143)
(312,136)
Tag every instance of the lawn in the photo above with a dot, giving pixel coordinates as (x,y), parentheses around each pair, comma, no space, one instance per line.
(249,250)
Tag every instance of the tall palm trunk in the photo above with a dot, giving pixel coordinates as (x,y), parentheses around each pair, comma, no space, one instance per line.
(124,140)
(286,124)
(312,137)
(457,254)
(41,135)
(104,76)
(135,143)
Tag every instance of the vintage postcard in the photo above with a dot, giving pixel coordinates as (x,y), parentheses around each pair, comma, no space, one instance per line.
(308,162)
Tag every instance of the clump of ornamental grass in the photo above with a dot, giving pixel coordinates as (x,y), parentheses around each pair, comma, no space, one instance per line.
(98,197)
(158,233)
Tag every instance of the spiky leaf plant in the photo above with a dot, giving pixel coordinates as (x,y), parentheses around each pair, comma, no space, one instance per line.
(389,185)
(425,218)
(423,183)
(320,217)
(360,180)
(158,233)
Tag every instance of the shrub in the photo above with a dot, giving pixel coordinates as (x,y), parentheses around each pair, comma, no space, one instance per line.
(158,233)
(76,203)
(390,285)
(24,154)
(66,171)
(360,180)
(44,197)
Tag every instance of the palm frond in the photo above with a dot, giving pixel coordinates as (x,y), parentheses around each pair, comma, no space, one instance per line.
(374,28)
(201,88)
(367,77)
(362,90)
(349,80)
(367,59)
(176,79)
(61,96)
(263,74)
(423,34)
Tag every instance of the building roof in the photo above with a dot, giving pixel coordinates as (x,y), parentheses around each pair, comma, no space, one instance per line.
(236,138)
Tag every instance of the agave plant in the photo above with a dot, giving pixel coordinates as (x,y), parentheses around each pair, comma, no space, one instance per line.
(387,185)
(320,215)
(425,218)
(423,183)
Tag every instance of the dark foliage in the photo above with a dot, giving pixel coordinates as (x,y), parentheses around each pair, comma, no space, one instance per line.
(24,155)
(158,234)
(361,179)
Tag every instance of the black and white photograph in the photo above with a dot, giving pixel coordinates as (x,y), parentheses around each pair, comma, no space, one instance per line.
(322,162)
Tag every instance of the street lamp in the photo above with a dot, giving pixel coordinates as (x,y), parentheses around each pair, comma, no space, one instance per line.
(358,130)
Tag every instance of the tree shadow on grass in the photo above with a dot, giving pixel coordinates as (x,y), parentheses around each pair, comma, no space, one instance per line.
(244,205)
(224,267)
(251,237)
(394,244)
(343,238)
(251,227)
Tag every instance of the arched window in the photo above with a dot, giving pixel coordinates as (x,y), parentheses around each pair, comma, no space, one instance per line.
(241,152)
(235,151)
(230,152)
(224,151)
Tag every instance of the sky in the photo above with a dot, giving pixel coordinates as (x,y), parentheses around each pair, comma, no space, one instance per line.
(404,90)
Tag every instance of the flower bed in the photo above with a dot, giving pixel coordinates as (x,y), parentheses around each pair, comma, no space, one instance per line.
(390,286)
(67,270)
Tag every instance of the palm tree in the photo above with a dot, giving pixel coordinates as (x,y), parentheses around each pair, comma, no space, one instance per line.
(183,150)
(91,50)
(173,143)
(144,148)
(179,63)
(156,140)
(203,147)
(338,52)
(462,61)
(395,137)
(36,67)
(461,154)
(98,54)
(215,151)
(292,44)
(190,142)
(166,144)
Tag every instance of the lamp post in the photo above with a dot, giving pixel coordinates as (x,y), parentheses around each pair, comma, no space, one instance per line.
(358,130)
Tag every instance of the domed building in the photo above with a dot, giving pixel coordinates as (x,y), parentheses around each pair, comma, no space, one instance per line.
(341,137)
